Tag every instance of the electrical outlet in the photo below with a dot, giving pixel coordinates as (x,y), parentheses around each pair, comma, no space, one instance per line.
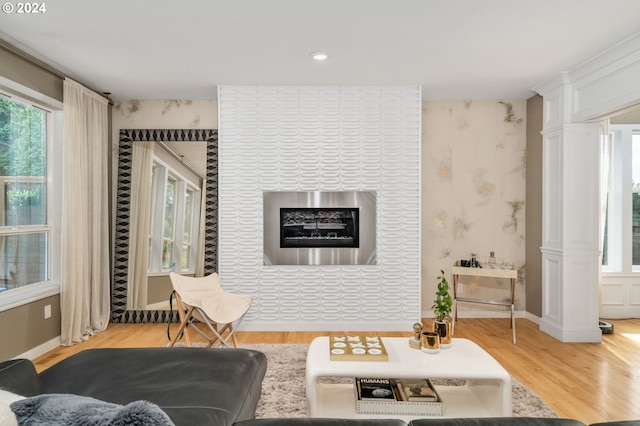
(460,289)
(47,311)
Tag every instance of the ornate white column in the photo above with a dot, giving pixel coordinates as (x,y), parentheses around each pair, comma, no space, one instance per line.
(574,104)
(570,226)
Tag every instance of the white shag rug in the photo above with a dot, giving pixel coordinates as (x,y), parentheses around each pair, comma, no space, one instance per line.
(286,370)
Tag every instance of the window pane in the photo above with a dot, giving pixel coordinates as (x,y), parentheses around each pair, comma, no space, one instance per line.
(184,261)
(636,229)
(188,216)
(605,242)
(167,256)
(23,260)
(23,141)
(635,200)
(169,209)
(25,203)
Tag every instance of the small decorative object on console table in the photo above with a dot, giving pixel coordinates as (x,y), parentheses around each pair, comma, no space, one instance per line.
(442,306)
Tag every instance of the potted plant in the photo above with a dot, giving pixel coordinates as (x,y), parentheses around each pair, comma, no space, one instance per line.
(442,306)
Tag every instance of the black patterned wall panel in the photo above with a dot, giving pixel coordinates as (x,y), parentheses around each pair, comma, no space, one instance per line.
(119,312)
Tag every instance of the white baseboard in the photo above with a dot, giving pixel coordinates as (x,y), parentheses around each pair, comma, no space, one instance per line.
(532,318)
(258,325)
(579,335)
(619,312)
(482,314)
(41,349)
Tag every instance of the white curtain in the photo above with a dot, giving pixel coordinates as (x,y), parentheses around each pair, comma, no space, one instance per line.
(201,231)
(139,221)
(84,290)
(605,179)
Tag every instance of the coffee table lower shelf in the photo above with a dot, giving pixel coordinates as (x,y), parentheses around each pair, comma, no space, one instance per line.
(470,400)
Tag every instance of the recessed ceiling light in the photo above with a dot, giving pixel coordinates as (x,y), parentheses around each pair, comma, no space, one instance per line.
(319,56)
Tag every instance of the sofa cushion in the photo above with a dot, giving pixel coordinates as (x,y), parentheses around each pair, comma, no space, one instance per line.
(192,385)
(74,410)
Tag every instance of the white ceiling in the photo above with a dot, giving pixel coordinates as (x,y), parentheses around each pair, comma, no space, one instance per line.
(454,49)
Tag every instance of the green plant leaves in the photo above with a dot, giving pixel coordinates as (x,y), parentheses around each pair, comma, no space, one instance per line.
(443,302)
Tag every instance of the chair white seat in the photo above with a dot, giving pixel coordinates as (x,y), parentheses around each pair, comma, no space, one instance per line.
(203,300)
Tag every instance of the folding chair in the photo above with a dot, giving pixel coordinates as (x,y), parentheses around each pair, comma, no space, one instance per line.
(202,300)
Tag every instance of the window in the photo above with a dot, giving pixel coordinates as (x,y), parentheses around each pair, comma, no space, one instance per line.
(25,218)
(175,215)
(621,176)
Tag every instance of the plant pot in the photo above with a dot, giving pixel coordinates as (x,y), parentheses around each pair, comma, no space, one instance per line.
(443,328)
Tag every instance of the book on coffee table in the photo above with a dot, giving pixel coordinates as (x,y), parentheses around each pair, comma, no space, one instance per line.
(375,389)
(417,390)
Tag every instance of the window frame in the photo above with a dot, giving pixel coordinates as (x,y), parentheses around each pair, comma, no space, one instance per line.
(619,202)
(30,293)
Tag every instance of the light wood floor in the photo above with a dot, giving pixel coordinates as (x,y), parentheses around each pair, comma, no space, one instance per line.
(585,381)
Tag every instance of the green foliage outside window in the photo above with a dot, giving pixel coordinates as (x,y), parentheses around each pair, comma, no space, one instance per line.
(22,150)
(22,139)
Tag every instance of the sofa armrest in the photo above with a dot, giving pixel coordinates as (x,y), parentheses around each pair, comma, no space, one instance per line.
(19,376)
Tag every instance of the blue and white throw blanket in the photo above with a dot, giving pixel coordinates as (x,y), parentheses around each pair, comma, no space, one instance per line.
(72,410)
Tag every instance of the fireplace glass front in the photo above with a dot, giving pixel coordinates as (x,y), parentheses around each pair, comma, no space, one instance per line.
(319,227)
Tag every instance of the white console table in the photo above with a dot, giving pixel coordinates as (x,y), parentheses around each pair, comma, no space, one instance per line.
(510,274)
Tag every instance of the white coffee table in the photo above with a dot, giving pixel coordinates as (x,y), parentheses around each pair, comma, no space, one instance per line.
(487,392)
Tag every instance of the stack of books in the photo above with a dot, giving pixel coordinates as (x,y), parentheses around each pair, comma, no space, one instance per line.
(397,396)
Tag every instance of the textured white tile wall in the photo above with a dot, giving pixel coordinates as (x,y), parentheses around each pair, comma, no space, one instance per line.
(322,139)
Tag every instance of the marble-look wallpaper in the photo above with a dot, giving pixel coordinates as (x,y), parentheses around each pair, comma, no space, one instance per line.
(164,114)
(473,193)
(473,181)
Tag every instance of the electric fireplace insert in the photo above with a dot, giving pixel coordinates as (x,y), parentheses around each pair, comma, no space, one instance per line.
(319,227)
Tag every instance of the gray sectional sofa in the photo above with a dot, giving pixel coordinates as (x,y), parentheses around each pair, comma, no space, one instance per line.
(195,386)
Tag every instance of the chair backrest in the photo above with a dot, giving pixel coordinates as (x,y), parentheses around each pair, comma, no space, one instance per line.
(194,287)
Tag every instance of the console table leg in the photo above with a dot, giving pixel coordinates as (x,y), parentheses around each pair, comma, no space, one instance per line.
(513,314)
(513,323)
